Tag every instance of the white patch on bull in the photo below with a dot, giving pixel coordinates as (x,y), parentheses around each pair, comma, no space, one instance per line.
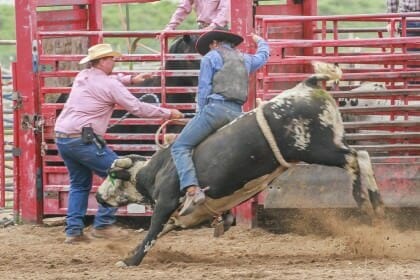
(277,116)
(330,117)
(351,166)
(149,245)
(281,104)
(301,133)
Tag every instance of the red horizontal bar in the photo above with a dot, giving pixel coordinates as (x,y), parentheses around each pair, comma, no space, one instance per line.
(375,76)
(53,58)
(134,90)
(384,124)
(384,135)
(379,94)
(388,148)
(356,17)
(115,34)
(49,3)
(394,109)
(168,73)
(373,58)
(383,42)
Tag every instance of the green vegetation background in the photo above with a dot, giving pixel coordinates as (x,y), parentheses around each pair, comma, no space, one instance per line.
(154,16)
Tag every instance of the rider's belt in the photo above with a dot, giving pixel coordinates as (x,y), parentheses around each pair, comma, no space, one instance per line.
(65,135)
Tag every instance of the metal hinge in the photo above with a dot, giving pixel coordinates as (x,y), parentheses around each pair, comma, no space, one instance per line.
(35,57)
(16,152)
(51,194)
(17,97)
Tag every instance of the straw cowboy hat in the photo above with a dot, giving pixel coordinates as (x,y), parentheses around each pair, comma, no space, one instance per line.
(203,42)
(99,51)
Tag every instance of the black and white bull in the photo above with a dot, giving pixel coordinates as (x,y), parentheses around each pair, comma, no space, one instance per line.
(301,124)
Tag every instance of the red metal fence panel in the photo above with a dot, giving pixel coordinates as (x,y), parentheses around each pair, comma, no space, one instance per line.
(384,120)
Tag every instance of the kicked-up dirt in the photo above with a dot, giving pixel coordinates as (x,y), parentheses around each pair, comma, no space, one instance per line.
(314,246)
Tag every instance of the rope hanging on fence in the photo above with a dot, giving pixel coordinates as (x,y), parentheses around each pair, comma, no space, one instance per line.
(162,126)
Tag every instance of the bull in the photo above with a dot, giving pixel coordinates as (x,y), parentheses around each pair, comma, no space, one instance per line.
(241,158)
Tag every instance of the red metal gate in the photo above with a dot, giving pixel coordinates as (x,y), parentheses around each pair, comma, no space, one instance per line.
(43,179)
(390,126)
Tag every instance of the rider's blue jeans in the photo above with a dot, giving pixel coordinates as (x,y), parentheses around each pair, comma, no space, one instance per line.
(214,115)
(81,160)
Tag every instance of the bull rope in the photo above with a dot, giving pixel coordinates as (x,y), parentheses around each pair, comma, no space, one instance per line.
(268,134)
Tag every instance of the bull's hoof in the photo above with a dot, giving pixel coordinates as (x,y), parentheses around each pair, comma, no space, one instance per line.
(219,229)
(228,221)
(380,212)
(366,208)
(121,264)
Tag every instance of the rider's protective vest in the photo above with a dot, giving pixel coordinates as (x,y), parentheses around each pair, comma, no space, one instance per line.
(231,81)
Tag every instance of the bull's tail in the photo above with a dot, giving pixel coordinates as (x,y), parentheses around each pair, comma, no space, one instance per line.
(332,71)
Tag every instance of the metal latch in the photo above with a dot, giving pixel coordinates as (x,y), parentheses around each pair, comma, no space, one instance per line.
(51,194)
(27,122)
(36,123)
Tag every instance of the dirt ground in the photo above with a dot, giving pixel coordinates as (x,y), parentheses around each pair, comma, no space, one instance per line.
(326,246)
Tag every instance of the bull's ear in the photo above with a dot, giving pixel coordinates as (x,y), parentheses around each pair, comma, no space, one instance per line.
(121,174)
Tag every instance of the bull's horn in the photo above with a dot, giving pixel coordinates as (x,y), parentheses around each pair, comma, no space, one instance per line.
(123,163)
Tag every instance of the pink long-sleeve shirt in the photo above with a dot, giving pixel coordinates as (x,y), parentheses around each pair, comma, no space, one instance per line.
(215,13)
(92,99)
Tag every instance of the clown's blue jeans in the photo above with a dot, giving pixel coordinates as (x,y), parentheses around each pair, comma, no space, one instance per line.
(81,160)
(413,24)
